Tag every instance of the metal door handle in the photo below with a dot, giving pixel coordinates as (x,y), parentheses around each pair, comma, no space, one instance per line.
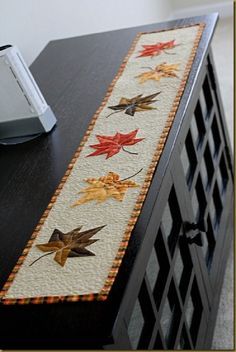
(194,231)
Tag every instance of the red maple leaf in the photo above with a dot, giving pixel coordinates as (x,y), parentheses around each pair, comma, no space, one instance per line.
(111,145)
(156,49)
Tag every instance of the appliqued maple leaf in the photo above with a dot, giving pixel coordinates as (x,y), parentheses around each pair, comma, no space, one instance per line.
(162,70)
(111,145)
(102,188)
(157,49)
(135,104)
(70,244)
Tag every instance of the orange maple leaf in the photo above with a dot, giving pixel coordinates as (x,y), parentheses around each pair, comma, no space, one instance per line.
(157,49)
(111,145)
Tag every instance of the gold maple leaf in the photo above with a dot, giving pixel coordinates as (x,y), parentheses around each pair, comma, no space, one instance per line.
(162,70)
(102,188)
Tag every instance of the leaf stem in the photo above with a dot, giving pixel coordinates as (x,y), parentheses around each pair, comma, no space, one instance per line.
(40,258)
(114,112)
(127,178)
(148,68)
(127,151)
(166,52)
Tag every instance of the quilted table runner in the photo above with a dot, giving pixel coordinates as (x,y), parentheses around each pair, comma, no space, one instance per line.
(77,248)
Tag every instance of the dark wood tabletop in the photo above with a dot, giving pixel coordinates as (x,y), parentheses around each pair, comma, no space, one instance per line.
(73,75)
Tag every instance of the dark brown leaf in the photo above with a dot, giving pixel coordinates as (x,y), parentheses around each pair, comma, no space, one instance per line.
(135,104)
(70,244)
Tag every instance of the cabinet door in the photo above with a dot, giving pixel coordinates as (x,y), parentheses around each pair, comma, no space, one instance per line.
(205,166)
(178,274)
(171,309)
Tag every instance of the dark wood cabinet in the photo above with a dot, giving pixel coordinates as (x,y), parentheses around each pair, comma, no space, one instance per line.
(167,291)
(180,287)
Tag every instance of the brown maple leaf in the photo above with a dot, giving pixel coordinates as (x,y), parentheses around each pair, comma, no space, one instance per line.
(111,145)
(162,70)
(135,104)
(104,187)
(70,244)
(157,49)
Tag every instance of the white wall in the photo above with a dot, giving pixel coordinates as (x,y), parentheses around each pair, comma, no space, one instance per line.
(30,24)
(180,4)
(188,8)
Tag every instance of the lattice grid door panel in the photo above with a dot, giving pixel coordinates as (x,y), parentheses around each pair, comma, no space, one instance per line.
(207,171)
(174,304)
(204,164)
(168,313)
